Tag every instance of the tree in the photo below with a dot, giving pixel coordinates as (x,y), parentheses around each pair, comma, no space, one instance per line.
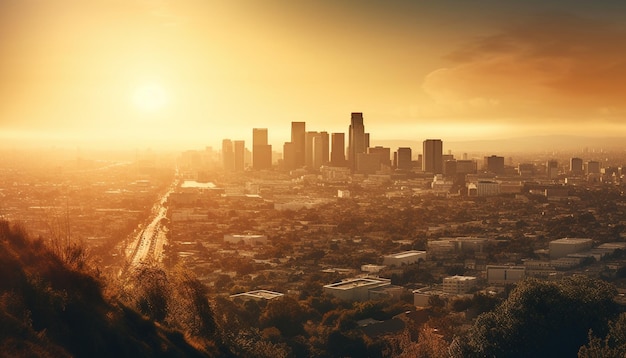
(284,313)
(613,345)
(543,313)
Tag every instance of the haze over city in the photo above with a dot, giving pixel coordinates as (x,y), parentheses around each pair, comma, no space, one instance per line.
(354,178)
(183,74)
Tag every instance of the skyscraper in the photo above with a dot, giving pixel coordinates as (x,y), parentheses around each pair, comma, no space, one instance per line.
(552,169)
(404,158)
(356,138)
(240,150)
(576,165)
(298,130)
(325,148)
(432,156)
(289,156)
(494,164)
(261,151)
(309,137)
(338,150)
(228,156)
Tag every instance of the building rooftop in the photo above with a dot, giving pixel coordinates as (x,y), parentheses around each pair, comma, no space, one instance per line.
(259,294)
(571,240)
(195,184)
(357,282)
(401,255)
(461,278)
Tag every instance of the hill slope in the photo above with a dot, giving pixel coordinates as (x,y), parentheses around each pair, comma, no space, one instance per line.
(48,309)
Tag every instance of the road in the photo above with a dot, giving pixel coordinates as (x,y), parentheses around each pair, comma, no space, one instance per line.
(148,244)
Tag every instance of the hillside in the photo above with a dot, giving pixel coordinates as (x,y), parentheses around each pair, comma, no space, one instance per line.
(48,308)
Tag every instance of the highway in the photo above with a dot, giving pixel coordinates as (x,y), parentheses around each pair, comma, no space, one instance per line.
(147,245)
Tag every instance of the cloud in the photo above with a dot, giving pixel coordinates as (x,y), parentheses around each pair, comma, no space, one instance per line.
(554,65)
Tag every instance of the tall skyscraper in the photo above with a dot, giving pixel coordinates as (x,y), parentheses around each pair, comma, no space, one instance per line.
(289,156)
(552,169)
(309,137)
(228,155)
(325,148)
(404,158)
(240,150)
(432,156)
(576,165)
(298,130)
(357,141)
(338,150)
(261,151)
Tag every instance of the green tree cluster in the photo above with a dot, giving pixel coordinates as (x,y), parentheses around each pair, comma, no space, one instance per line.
(541,319)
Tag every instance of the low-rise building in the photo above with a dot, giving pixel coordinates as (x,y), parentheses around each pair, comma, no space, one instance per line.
(248,239)
(421,297)
(505,274)
(404,258)
(355,289)
(456,285)
(563,247)
(371,268)
(257,295)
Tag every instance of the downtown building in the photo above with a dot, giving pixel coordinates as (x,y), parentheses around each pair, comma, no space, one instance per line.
(261,150)
(432,156)
(358,140)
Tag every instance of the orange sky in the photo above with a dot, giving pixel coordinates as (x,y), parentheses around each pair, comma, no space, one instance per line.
(187,73)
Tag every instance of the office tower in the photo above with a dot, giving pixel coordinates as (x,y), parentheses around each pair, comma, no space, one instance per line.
(494,164)
(228,156)
(593,167)
(298,130)
(318,151)
(325,148)
(384,153)
(576,165)
(240,150)
(338,148)
(432,157)
(404,158)
(552,169)
(356,138)
(309,137)
(261,151)
(289,156)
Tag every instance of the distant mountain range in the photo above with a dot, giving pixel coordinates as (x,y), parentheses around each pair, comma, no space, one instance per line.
(555,143)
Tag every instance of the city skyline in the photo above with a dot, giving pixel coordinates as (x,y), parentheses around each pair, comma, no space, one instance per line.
(179,75)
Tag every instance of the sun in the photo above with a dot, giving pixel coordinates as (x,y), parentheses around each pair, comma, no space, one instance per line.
(150,97)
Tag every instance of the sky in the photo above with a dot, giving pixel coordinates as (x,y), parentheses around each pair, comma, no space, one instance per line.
(187,73)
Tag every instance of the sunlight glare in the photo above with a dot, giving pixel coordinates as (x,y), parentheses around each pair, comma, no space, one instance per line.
(149,97)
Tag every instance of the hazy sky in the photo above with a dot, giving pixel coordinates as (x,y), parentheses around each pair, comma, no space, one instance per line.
(188,73)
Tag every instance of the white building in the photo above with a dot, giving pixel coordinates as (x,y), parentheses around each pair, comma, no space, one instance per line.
(246,239)
(421,297)
(505,274)
(343,193)
(563,247)
(257,295)
(355,289)
(406,258)
(457,285)
(371,268)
